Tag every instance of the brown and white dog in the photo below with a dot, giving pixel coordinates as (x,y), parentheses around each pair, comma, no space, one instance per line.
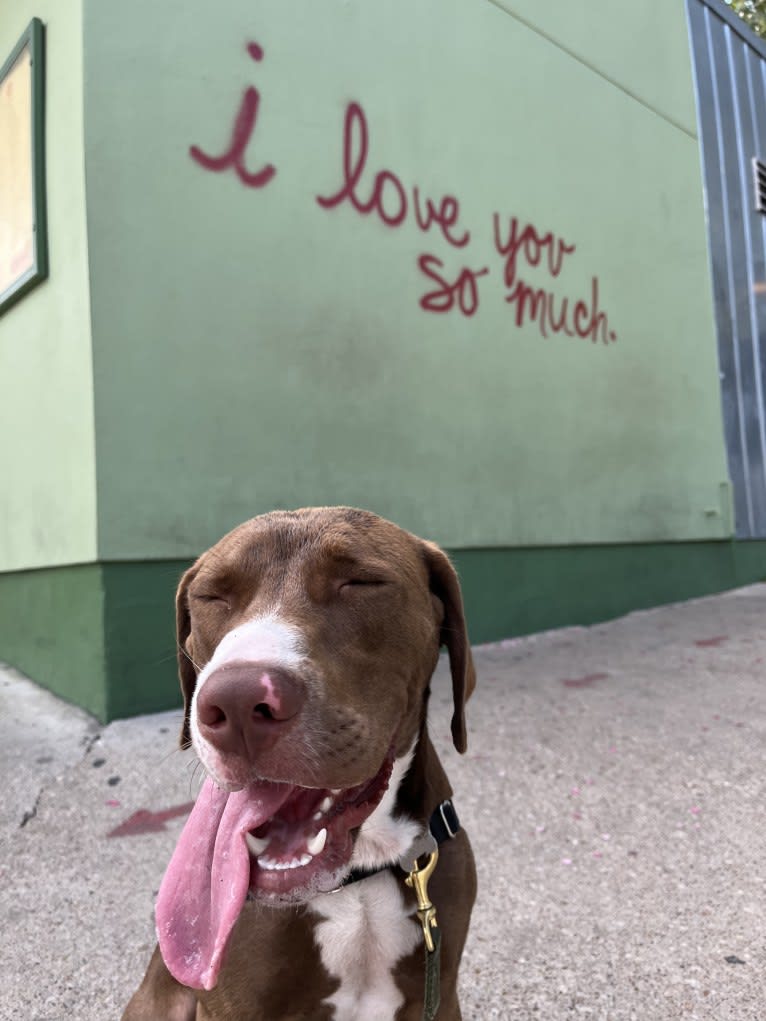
(307,641)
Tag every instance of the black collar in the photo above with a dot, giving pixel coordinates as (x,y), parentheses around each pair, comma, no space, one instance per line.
(443,825)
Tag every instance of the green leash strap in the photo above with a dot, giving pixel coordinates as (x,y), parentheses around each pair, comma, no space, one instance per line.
(418,881)
(433,977)
(443,825)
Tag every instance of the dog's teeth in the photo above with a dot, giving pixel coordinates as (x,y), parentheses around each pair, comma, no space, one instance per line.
(325,806)
(257,845)
(317,816)
(271,865)
(316,844)
(335,790)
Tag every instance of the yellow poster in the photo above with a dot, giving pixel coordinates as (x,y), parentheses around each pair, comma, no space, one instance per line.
(17,255)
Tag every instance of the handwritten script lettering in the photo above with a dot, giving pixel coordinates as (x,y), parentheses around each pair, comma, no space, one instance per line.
(530,263)
(538,304)
(244,125)
(464,291)
(445,213)
(532,246)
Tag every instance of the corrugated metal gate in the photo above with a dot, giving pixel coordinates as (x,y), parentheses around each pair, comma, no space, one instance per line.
(730,71)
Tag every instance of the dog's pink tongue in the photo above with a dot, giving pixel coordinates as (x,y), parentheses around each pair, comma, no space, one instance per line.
(207,880)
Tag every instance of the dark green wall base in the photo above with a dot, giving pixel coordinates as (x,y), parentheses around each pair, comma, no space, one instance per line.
(139,629)
(51,627)
(518,591)
(103,635)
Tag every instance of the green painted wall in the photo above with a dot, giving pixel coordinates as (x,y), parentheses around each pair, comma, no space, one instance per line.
(642,48)
(47,454)
(253,349)
(103,636)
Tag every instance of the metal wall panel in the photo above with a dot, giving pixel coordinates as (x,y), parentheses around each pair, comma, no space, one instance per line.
(730,71)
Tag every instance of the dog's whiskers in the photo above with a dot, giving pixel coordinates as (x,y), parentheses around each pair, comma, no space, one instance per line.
(183,652)
(195,766)
(169,755)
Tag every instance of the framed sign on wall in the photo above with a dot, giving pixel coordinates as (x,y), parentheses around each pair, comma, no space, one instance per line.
(23,238)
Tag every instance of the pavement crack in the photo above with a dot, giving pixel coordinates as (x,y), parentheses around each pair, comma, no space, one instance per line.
(31,812)
(89,741)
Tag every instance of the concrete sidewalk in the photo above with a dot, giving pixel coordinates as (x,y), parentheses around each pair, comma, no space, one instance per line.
(613,790)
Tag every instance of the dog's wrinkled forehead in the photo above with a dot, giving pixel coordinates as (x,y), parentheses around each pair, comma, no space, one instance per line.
(289,551)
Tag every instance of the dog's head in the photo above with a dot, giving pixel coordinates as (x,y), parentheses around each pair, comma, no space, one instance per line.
(306,644)
(349,611)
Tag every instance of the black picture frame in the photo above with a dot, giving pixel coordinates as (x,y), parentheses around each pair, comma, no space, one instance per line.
(26,66)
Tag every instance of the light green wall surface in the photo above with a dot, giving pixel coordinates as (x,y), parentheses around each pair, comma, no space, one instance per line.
(254,350)
(641,46)
(47,454)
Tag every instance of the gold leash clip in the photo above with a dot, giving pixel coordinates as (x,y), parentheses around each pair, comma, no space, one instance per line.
(418,881)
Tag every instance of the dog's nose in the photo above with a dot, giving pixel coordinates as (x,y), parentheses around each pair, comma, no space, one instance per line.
(242,707)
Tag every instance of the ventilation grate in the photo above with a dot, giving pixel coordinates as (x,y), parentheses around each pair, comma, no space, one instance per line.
(759,183)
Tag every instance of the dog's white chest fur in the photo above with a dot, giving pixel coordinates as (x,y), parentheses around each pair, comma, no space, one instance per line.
(364,930)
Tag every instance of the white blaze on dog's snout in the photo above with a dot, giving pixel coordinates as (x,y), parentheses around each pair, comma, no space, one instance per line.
(265,639)
(262,639)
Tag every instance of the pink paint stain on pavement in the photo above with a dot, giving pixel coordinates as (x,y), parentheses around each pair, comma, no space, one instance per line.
(144,821)
(583,682)
(709,643)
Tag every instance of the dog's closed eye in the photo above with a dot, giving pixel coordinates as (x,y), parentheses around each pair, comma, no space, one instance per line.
(210,597)
(351,584)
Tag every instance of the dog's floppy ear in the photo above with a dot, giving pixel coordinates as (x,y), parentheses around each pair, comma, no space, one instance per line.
(186,671)
(454,634)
